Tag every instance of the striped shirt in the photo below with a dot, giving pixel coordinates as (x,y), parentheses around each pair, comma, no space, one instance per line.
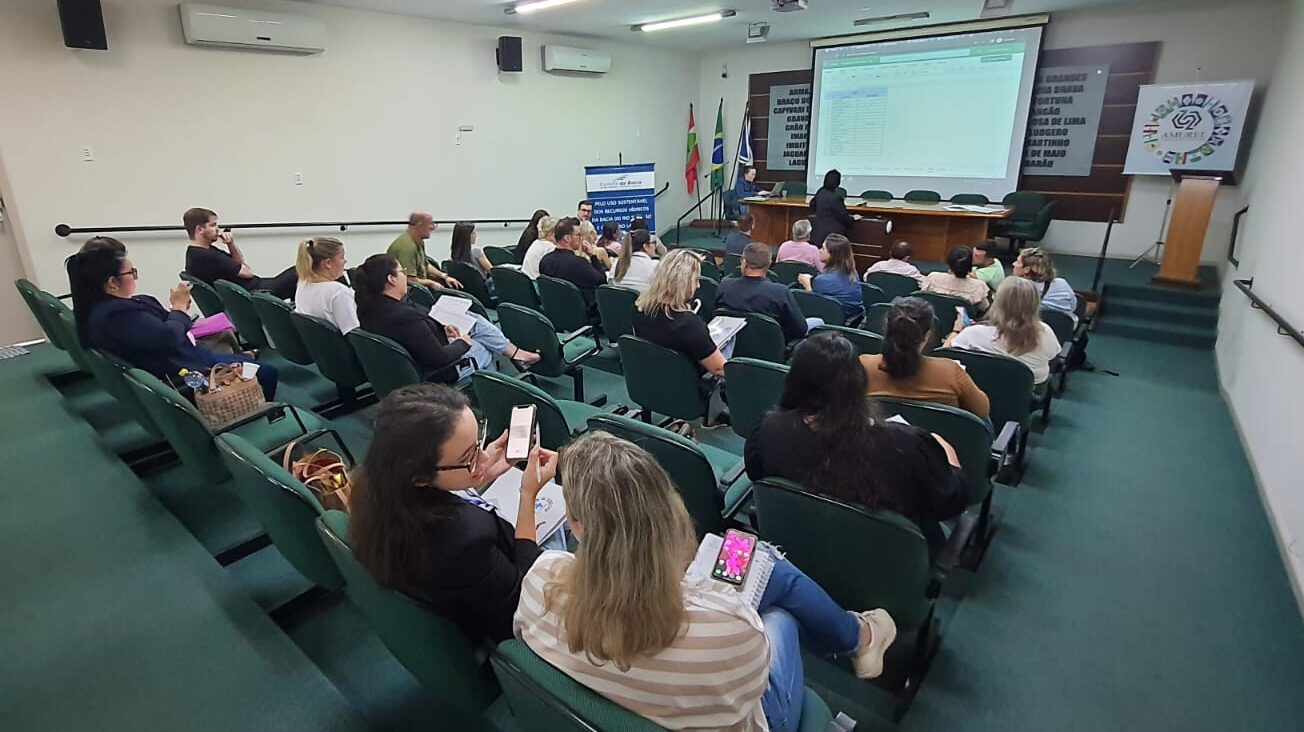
(711,677)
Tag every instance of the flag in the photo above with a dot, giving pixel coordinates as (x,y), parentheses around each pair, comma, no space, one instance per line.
(717,149)
(745,145)
(690,164)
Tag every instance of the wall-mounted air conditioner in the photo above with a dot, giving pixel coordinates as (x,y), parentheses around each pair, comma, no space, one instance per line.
(213,25)
(564,58)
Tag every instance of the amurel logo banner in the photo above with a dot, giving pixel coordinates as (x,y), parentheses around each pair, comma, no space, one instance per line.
(1196,126)
(622,193)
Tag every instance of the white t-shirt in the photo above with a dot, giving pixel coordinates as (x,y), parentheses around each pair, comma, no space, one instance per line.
(537,251)
(639,274)
(329,301)
(981,337)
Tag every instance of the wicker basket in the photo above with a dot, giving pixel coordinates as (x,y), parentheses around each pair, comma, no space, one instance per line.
(230,396)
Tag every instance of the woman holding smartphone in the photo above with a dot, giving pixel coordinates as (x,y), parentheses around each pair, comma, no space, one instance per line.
(418,523)
(620,617)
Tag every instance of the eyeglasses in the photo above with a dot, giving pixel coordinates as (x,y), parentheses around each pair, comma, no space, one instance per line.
(133,273)
(478,450)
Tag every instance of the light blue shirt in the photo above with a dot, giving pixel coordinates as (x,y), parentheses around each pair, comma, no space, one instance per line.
(1059,296)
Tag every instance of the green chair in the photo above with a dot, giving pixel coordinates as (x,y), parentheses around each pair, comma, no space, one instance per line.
(842,192)
(710,269)
(866,343)
(707,289)
(514,286)
(499,255)
(60,317)
(731,266)
(41,312)
(791,189)
(616,310)
(110,372)
(876,318)
(239,307)
(870,294)
(473,283)
(420,294)
(431,647)
(661,381)
(892,284)
(815,305)
(563,303)
(754,387)
(387,365)
(1007,382)
(923,196)
(970,199)
(204,295)
(332,354)
(710,480)
(276,316)
(1072,337)
(1028,221)
(786,272)
(558,419)
(877,195)
(944,309)
(761,338)
(559,356)
(286,509)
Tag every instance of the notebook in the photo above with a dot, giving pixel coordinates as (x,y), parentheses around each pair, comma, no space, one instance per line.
(757,577)
(210,325)
(504,495)
(724,327)
(451,310)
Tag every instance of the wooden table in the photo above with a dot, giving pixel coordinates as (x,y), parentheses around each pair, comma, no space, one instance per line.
(930,228)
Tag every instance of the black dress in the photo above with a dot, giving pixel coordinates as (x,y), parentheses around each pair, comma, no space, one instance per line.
(829,216)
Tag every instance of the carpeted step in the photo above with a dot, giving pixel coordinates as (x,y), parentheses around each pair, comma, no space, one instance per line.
(1159,332)
(1192,298)
(1161,311)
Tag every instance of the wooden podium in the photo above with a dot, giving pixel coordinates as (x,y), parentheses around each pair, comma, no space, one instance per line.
(1196,191)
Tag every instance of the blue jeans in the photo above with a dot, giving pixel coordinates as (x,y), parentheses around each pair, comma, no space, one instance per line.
(486,340)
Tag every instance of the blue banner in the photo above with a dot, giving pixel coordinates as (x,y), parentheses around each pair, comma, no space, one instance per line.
(622,193)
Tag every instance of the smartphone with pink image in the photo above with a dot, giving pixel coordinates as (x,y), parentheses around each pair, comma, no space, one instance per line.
(735,557)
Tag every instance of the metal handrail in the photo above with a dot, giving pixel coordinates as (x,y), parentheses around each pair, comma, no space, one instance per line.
(64,230)
(1231,245)
(1257,303)
(679,223)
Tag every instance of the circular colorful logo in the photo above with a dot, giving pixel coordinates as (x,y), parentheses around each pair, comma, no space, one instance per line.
(1187,128)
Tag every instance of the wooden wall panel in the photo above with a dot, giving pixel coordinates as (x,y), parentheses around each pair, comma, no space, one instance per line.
(759,97)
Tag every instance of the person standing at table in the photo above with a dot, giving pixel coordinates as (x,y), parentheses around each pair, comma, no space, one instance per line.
(829,211)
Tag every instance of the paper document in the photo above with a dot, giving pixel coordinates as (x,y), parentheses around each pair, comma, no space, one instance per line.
(897,418)
(758,576)
(549,506)
(724,327)
(973,208)
(452,310)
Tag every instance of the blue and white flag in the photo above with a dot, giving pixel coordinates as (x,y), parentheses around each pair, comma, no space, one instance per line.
(745,145)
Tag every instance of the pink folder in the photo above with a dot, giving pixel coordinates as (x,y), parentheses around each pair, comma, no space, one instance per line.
(210,325)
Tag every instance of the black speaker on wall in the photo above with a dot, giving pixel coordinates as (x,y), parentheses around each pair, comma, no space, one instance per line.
(83,24)
(509,53)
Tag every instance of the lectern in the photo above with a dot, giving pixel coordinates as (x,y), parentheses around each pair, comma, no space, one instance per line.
(1196,191)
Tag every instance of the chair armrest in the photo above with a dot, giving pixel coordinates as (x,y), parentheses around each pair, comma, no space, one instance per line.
(732,475)
(948,557)
(269,411)
(276,452)
(576,334)
(1006,441)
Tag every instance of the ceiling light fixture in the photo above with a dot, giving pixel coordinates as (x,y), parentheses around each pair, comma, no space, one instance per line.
(535,5)
(888,18)
(681,22)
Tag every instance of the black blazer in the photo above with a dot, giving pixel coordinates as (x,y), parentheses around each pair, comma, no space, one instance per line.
(411,326)
(141,332)
(830,216)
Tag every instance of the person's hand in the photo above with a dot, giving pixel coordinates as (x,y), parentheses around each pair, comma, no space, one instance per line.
(452,282)
(493,461)
(804,280)
(456,335)
(540,468)
(179,297)
(227,238)
(951,457)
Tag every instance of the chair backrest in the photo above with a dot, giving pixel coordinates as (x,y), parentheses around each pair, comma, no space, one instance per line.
(330,351)
(816,305)
(1006,381)
(710,269)
(731,265)
(545,699)
(660,379)
(707,289)
(892,284)
(754,387)
(239,307)
(473,283)
(761,338)
(876,317)
(498,255)
(533,331)
(181,425)
(514,286)
(496,394)
(61,318)
(966,433)
(1026,205)
(870,294)
(970,199)
(686,464)
(420,294)
(41,313)
(275,315)
(944,307)
(866,343)
(562,303)
(285,508)
(111,373)
(616,310)
(821,535)
(792,188)
(387,365)
(922,196)
(1060,322)
(786,272)
(428,645)
(877,195)
(204,295)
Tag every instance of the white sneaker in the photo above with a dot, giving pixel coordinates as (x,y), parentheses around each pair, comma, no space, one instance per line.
(868,661)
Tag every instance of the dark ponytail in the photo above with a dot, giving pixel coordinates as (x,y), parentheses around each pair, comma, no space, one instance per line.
(370,280)
(88,272)
(909,323)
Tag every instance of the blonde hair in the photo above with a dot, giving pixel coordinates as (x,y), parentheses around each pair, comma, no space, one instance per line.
(546,225)
(673,283)
(1037,264)
(587,232)
(312,252)
(1015,314)
(801,230)
(623,597)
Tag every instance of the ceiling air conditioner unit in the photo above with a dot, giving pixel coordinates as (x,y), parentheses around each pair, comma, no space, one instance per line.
(564,58)
(213,25)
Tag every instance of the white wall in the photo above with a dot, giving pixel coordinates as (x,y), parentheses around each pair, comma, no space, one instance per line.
(1248,36)
(1261,371)
(370,123)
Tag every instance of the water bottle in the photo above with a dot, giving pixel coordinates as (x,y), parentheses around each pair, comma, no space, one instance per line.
(195,380)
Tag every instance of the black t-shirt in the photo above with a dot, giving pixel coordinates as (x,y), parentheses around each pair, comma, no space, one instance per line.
(210,264)
(679,331)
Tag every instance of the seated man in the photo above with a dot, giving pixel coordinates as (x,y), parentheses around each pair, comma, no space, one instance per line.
(756,293)
(737,240)
(585,272)
(746,188)
(209,264)
(986,266)
(898,262)
(410,251)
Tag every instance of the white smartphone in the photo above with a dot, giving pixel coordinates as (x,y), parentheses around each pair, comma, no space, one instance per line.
(520,432)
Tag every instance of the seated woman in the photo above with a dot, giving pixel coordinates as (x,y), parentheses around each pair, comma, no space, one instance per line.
(637,263)
(541,247)
(418,524)
(682,652)
(463,249)
(839,279)
(320,293)
(1014,329)
(825,435)
(957,282)
(528,236)
(610,239)
(588,236)
(799,248)
(112,318)
(1034,263)
(904,372)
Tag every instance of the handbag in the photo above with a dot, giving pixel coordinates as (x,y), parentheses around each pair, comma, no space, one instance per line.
(230,396)
(324,473)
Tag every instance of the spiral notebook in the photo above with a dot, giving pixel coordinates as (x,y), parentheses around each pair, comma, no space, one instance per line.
(758,577)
